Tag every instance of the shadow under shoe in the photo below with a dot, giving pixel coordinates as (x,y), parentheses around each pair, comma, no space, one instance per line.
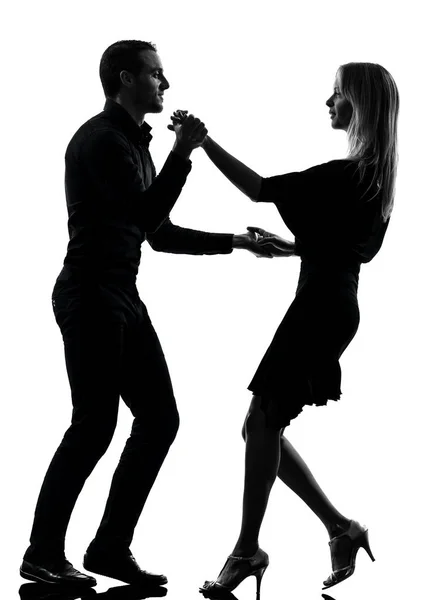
(236,569)
(47,591)
(120,565)
(133,592)
(218,595)
(344,548)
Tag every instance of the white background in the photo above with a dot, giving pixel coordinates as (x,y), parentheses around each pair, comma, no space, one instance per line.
(258,74)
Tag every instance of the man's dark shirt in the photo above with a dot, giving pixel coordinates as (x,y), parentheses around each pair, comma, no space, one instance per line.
(115,201)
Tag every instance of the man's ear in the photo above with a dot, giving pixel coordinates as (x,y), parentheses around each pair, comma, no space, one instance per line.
(126,78)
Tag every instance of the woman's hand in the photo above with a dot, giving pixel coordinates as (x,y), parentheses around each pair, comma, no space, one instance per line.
(248,241)
(178,117)
(263,244)
(274,244)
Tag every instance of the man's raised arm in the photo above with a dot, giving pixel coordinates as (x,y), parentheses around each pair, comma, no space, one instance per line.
(109,161)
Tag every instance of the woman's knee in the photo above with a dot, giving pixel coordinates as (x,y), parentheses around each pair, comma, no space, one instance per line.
(255,403)
(255,418)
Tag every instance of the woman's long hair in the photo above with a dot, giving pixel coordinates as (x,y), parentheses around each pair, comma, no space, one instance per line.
(372,133)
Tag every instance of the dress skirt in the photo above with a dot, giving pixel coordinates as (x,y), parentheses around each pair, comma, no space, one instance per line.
(301,366)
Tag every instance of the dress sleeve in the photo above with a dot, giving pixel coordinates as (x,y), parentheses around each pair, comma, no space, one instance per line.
(291,186)
(278,188)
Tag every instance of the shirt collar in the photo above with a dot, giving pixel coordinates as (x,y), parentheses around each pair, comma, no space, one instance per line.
(139,134)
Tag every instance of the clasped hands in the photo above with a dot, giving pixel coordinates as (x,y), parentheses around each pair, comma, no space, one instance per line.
(190,134)
(263,244)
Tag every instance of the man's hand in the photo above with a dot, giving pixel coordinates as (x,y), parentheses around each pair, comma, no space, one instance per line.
(274,244)
(263,244)
(248,241)
(190,133)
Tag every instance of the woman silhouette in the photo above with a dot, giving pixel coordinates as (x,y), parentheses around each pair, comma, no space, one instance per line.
(338,212)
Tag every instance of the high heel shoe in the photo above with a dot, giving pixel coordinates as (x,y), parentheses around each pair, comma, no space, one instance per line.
(242,568)
(347,543)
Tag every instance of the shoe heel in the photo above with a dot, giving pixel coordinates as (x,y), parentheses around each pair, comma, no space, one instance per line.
(259,575)
(364,543)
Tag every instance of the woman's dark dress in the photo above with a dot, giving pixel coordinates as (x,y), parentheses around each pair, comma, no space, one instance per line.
(335,229)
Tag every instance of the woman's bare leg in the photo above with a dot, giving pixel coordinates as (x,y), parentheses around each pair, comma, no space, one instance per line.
(294,472)
(269,454)
(261,467)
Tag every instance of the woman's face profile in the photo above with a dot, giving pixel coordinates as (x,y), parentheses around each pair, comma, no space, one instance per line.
(340,108)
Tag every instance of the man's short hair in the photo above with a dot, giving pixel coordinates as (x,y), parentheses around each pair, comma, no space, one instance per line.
(121,56)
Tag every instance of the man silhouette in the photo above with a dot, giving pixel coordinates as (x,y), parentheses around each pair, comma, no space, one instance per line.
(115,201)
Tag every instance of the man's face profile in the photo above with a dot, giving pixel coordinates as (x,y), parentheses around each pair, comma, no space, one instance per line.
(150,83)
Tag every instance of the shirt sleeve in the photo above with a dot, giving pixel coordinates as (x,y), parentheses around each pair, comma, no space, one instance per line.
(181,240)
(111,166)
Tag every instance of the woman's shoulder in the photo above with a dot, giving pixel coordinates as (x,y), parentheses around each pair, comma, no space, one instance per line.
(319,178)
(335,174)
(338,166)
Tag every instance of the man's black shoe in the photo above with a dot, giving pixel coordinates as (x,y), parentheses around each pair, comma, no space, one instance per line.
(121,566)
(62,573)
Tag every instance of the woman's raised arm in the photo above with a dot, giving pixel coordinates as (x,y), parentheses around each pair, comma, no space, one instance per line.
(246,180)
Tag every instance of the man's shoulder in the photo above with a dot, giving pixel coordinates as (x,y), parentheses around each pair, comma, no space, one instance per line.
(97,126)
